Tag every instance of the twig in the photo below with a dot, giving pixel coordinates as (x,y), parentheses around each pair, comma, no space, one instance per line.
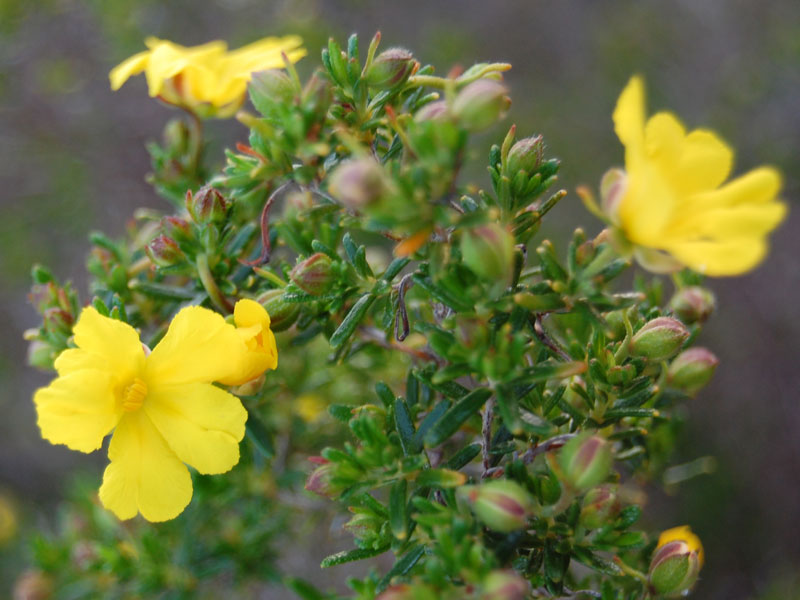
(402,313)
(541,334)
(376,336)
(546,446)
(266,246)
(486,435)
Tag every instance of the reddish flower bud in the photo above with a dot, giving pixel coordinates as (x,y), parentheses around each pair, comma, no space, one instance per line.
(164,252)
(585,461)
(314,275)
(525,155)
(693,304)
(390,68)
(272,85)
(504,585)
(692,369)
(432,111)
(207,206)
(676,562)
(502,505)
(358,183)
(319,481)
(480,104)
(176,228)
(599,506)
(659,339)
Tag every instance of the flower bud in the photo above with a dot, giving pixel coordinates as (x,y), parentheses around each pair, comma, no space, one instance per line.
(282,314)
(480,104)
(319,481)
(433,111)
(525,155)
(164,251)
(612,190)
(364,526)
(58,320)
(176,228)
(692,369)
(504,585)
(599,506)
(207,206)
(659,339)
(317,95)
(314,275)
(488,250)
(676,562)
(585,461)
(502,505)
(358,183)
(272,85)
(390,68)
(33,585)
(404,591)
(693,304)
(177,137)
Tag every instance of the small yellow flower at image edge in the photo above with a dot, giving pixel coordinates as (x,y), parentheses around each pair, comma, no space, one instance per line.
(208,80)
(162,405)
(671,207)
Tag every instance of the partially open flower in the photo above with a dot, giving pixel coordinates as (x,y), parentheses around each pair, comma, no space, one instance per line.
(676,562)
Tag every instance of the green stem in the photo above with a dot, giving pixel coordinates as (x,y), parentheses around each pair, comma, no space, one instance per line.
(210,285)
(602,260)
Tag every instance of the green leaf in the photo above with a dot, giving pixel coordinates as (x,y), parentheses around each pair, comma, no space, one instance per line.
(405,427)
(351,555)
(385,394)
(398,514)
(429,420)
(160,290)
(351,321)
(463,457)
(441,478)
(402,566)
(452,420)
(303,589)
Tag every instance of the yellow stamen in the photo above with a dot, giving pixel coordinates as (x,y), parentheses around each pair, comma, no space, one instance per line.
(134,395)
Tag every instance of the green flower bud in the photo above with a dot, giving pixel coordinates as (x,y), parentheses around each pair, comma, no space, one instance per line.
(659,339)
(282,314)
(693,304)
(692,369)
(319,481)
(58,320)
(358,183)
(364,526)
(390,68)
(480,104)
(612,190)
(502,505)
(164,252)
(488,250)
(504,585)
(176,228)
(600,505)
(432,111)
(317,95)
(314,275)
(207,206)
(177,137)
(585,461)
(272,86)
(525,155)
(674,569)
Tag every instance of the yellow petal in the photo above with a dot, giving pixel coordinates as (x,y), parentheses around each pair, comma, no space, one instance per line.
(682,534)
(629,113)
(647,205)
(705,162)
(199,347)
(755,187)
(168,60)
(746,220)
(127,69)
(144,474)
(252,325)
(664,136)
(110,340)
(201,423)
(78,409)
(720,258)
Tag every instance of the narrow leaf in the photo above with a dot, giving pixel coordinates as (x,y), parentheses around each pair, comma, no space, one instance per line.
(452,420)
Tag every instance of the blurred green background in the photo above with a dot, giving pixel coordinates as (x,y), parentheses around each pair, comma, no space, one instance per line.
(72,160)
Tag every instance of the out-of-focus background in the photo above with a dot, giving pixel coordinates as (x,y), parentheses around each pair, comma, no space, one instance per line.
(72,160)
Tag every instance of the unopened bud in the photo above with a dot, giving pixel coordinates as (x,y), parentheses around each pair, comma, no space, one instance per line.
(502,505)
(319,481)
(612,190)
(488,250)
(504,585)
(207,206)
(525,155)
(585,461)
(164,251)
(390,68)
(599,506)
(314,275)
(271,86)
(676,562)
(282,314)
(364,526)
(659,339)
(432,111)
(176,228)
(358,183)
(33,585)
(58,320)
(693,304)
(692,369)
(480,104)
(177,137)
(317,95)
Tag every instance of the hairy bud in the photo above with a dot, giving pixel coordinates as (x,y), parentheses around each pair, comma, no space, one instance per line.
(585,461)
(692,369)
(599,506)
(176,228)
(314,275)
(164,251)
(659,339)
(502,505)
(358,183)
(525,155)
(282,314)
(207,206)
(272,85)
(390,68)
(480,104)
(432,111)
(319,481)
(693,304)
(488,250)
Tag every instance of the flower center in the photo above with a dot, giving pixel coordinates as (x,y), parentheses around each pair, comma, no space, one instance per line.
(134,395)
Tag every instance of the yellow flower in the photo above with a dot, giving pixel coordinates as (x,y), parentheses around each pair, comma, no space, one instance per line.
(683,534)
(207,80)
(161,405)
(672,204)
(252,325)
